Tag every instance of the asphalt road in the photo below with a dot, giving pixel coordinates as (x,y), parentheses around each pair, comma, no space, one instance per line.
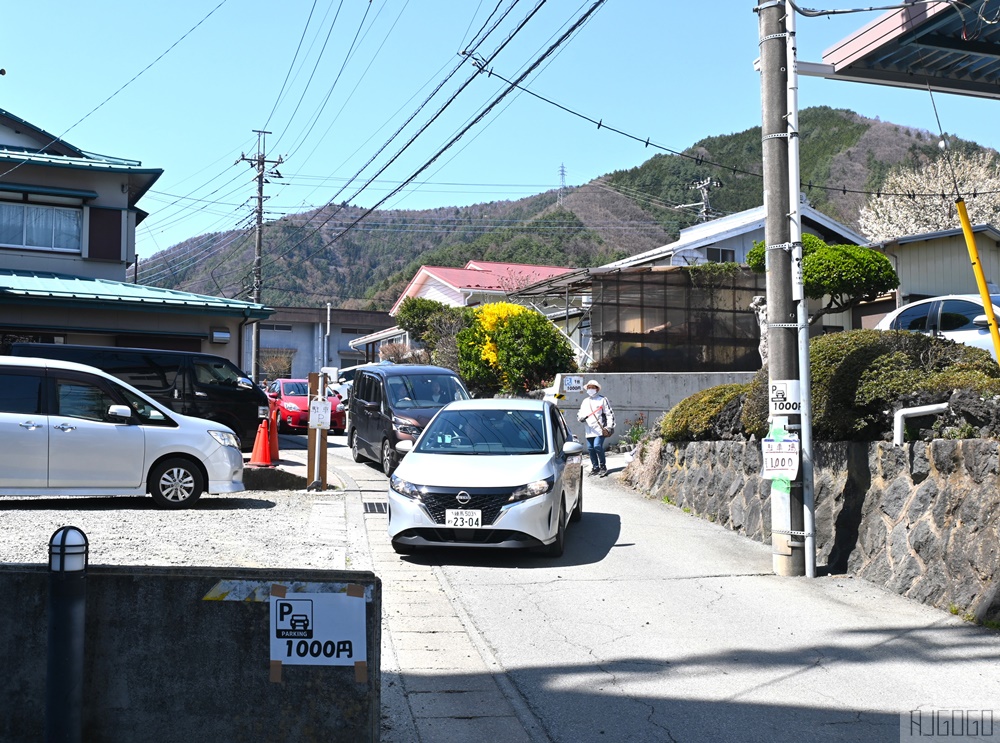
(658,626)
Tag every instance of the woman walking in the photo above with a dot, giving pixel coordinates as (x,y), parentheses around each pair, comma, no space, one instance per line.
(599,418)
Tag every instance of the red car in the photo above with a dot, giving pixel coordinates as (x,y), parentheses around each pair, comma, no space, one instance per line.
(291,399)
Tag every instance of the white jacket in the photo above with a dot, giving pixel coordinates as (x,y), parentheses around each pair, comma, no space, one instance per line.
(590,414)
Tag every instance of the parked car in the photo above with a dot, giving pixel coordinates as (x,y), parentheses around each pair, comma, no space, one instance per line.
(959,317)
(392,403)
(71,429)
(196,384)
(290,397)
(488,473)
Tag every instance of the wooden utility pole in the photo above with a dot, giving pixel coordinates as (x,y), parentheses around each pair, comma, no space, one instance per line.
(260,162)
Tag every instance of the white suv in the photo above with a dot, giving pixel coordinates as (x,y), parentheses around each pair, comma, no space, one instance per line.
(70,429)
(958,317)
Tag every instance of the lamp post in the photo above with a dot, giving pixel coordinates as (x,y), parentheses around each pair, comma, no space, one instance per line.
(68,550)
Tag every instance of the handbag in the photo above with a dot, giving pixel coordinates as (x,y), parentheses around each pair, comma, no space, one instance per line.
(606,430)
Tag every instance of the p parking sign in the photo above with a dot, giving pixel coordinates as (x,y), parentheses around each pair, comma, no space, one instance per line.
(784,397)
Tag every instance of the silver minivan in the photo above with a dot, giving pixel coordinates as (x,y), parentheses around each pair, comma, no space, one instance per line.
(71,429)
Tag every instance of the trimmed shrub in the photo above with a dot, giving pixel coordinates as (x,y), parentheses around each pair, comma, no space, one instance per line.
(859,378)
(697,417)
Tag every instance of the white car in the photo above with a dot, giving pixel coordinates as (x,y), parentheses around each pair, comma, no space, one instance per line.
(958,317)
(71,429)
(488,473)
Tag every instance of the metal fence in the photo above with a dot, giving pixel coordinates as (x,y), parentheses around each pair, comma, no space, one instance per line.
(676,318)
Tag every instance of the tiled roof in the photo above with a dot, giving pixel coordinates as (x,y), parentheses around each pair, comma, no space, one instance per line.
(46,287)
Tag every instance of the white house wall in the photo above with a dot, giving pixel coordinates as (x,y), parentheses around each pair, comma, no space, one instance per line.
(942,266)
(438,292)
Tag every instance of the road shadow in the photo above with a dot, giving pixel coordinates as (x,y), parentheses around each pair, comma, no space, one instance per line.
(588,541)
(653,699)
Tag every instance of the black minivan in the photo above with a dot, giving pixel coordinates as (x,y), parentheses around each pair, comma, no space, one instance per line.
(393,403)
(195,384)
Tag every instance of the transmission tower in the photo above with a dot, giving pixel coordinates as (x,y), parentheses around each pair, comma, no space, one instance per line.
(562,181)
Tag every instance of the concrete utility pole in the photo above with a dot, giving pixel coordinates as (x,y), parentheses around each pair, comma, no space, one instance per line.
(787,520)
(260,162)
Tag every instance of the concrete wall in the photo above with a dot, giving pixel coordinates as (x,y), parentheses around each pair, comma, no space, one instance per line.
(183,654)
(651,394)
(922,520)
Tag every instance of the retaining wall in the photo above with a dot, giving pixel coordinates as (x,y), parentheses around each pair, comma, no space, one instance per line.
(183,654)
(922,520)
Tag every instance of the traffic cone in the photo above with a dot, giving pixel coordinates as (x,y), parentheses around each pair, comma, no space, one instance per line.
(261,456)
(273,437)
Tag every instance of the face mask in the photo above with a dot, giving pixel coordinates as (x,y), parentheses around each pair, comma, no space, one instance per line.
(591,392)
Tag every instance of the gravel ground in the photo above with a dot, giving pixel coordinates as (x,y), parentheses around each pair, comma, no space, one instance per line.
(287,529)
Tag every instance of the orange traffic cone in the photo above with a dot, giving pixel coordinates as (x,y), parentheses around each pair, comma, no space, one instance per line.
(261,456)
(273,437)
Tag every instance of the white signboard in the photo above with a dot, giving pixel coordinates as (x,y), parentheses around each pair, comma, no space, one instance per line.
(781,457)
(784,397)
(319,413)
(318,629)
(572,384)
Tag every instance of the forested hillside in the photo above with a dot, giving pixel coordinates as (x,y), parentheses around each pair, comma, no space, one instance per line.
(312,258)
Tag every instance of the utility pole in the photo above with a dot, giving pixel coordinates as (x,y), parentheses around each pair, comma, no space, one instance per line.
(784,393)
(260,162)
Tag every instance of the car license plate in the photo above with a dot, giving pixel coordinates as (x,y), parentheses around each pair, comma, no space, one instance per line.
(463,518)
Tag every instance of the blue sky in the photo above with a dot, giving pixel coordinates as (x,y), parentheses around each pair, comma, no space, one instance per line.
(189,81)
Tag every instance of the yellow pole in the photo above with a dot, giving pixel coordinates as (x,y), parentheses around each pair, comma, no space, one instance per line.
(977,269)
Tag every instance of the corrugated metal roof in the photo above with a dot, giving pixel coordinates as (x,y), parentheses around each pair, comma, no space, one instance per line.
(38,286)
(952,47)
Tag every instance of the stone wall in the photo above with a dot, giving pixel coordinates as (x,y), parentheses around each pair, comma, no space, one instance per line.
(921,520)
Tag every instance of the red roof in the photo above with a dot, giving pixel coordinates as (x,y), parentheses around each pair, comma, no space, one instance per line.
(484,276)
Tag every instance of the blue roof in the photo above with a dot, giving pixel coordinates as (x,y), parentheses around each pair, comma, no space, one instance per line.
(64,289)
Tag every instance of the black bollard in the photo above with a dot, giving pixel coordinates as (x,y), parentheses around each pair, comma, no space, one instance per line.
(67,612)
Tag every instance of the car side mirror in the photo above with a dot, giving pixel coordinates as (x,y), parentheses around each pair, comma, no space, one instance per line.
(981,321)
(404,447)
(120,411)
(371,407)
(571,448)
(244,383)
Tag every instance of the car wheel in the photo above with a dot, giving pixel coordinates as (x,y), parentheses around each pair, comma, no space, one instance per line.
(578,511)
(352,441)
(176,483)
(388,458)
(556,548)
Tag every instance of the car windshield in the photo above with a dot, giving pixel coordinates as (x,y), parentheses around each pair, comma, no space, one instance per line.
(424,390)
(295,389)
(485,432)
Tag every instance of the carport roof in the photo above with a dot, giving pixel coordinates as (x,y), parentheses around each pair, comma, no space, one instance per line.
(947,47)
(79,291)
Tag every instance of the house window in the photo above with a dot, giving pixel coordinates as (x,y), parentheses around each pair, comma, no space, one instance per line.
(720,255)
(40,227)
(275,326)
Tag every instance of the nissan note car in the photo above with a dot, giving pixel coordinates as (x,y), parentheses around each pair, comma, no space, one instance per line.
(71,429)
(488,473)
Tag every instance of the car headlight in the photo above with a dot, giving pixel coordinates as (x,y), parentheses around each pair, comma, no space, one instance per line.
(532,489)
(405,488)
(290,406)
(405,425)
(226,438)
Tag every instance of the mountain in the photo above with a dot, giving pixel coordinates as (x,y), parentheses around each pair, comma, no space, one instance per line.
(309,258)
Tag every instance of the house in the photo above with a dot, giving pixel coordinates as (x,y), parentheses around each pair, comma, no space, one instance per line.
(645,314)
(478,282)
(933,264)
(297,340)
(67,237)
